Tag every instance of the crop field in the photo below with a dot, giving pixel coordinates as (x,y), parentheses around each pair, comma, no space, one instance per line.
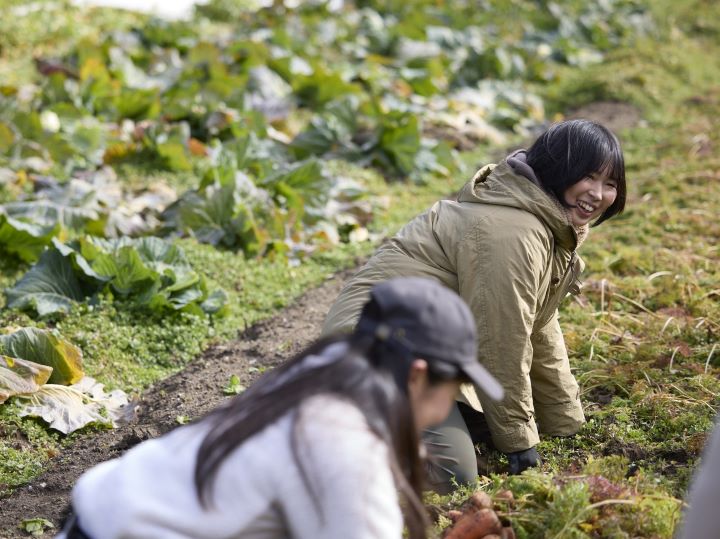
(169,190)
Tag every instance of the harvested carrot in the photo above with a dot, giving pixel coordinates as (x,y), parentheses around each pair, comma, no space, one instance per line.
(475,525)
(455,515)
(480,500)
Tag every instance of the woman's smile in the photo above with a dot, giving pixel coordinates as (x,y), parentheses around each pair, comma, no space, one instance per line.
(590,197)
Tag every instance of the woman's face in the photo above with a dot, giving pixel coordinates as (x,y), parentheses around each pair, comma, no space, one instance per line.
(430,403)
(590,197)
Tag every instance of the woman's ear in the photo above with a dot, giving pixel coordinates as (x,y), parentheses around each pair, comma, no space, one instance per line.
(418,372)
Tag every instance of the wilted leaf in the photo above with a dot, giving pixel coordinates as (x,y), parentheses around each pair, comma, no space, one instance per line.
(19,376)
(46,348)
(51,213)
(118,407)
(68,409)
(118,151)
(197,148)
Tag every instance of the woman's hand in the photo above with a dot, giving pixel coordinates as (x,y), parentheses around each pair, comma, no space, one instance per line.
(522,460)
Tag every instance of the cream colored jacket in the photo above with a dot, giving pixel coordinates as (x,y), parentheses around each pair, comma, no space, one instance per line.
(259,491)
(508,249)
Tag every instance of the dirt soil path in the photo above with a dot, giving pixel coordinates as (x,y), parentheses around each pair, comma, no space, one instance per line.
(191,393)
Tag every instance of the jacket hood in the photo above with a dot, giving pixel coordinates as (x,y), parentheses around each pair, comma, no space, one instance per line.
(503,186)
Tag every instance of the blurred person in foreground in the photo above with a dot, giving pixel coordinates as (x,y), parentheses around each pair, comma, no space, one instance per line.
(508,245)
(702,519)
(325,446)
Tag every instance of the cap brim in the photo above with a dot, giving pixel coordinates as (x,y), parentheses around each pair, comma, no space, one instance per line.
(482,378)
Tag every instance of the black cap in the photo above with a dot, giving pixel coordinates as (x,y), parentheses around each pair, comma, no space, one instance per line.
(432,322)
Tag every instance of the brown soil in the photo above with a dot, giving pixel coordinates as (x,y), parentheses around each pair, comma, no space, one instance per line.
(191,393)
(613,115)
(636,453)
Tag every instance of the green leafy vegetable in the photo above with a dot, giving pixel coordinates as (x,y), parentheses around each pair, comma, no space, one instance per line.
(234,387)
(50,286)
(25,239)
(148,271)
(36,526)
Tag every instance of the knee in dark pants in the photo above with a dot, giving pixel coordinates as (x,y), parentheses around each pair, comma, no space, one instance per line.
(444,479)
(451,454)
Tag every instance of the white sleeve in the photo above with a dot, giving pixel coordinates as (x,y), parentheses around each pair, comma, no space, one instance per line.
(348,469)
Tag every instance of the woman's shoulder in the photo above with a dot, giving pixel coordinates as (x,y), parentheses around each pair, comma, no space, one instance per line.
(332,433)
(332,410)
(336,420)
(499,221)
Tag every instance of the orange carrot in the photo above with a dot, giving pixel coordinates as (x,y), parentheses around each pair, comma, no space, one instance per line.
(480,500)
(475,525)
(455,515)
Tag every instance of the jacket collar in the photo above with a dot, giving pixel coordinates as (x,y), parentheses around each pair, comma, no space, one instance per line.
(504,186)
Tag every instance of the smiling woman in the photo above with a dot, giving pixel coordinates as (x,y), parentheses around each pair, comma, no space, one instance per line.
(590,198)
(581,164)
(508,246)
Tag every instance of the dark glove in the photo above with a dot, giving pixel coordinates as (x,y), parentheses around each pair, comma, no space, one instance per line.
(522,460)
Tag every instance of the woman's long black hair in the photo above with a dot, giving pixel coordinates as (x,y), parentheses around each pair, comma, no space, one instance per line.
(372,373)
(575,149)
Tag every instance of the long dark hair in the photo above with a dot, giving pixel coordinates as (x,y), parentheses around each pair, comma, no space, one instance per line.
(372,373)
(575,149)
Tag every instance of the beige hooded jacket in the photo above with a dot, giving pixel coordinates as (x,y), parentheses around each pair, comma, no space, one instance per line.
(508,249)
